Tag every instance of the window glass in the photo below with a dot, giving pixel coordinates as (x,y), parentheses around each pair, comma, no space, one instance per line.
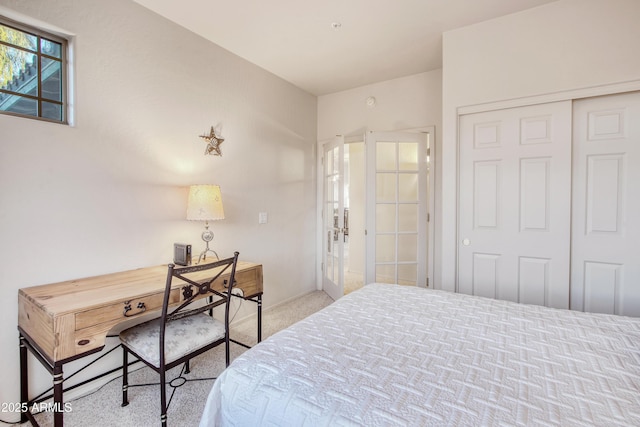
(18,38)
(408,187)
(385,248)
(386,273)
(51,48)
(385,156)
(386,186)
(385,218)
(408,152)
(32,73)
(19,71)
(51,79)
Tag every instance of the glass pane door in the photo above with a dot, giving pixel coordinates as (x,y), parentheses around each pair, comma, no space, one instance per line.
(333,218)
(397,208)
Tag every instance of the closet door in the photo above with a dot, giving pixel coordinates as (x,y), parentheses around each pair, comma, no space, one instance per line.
(606,216)
(515,204)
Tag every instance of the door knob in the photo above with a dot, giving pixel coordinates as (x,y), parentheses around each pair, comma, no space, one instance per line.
(466,242)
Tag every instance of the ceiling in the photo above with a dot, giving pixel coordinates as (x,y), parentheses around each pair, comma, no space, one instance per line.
(296,40)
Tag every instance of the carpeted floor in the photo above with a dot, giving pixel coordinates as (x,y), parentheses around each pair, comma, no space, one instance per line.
(103,409)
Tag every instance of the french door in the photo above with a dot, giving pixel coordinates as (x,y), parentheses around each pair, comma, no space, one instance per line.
(333,217)
(397,207)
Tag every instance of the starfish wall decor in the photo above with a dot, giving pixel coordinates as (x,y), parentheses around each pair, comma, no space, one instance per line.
(213,143)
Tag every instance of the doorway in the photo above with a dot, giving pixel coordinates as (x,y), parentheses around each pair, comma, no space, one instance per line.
(358,227)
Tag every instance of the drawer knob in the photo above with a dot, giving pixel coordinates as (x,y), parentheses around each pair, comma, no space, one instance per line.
(127,308)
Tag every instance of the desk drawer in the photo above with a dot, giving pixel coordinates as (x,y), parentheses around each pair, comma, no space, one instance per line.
(249,281)
(113,312)
(243,279)
(246,280)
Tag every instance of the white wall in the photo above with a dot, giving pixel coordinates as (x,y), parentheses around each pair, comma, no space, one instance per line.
(560,46)
(404,103)
(110,192)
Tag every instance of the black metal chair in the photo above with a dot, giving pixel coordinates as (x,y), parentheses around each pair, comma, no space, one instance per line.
(183,332)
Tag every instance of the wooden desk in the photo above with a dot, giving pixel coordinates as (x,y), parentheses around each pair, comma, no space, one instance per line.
(64,321)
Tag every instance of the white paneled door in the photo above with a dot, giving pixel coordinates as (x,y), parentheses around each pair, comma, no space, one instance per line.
(515,204)
(606,218)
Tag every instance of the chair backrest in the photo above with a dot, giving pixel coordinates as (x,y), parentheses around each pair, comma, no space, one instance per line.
(197,283)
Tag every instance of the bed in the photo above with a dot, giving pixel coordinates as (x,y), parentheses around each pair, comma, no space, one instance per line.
(391,355)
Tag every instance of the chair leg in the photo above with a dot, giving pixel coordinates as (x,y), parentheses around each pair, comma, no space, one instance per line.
(125,377)
(226,347)
(163,399)
(186,367)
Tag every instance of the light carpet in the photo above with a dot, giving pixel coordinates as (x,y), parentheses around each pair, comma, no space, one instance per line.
(103,407)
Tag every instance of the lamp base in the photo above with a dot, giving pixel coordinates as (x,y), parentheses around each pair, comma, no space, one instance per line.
(207,236)
(203,254)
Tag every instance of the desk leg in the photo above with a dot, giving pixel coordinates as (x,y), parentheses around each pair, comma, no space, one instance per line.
(259,318)
(57,396)
(24,380)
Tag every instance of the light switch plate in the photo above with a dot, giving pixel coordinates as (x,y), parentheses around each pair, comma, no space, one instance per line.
(263,218)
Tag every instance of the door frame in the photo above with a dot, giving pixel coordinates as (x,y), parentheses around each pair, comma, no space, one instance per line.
(431,206)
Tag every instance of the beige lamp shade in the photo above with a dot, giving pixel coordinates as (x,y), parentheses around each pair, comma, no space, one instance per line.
(205,203)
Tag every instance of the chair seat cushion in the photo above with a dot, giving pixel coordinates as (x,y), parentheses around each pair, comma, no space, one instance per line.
(182,336)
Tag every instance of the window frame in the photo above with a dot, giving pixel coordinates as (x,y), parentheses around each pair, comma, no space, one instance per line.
(64,50)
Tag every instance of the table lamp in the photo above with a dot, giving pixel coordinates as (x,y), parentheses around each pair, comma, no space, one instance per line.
(205,204)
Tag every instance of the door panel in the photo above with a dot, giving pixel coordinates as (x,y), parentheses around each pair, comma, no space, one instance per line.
(333,218)
(515,204)
(397,206)
(606,196)
(533,279)
(485,274)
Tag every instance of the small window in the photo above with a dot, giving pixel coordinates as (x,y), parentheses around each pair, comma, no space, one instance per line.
(32,72)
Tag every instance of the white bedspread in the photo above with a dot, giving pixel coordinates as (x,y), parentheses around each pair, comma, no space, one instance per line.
(390,355)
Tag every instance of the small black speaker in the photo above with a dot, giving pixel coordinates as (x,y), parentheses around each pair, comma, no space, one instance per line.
(181,254)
